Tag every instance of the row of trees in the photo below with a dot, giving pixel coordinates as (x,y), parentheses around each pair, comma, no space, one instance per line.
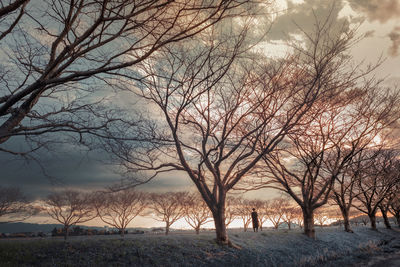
(233,119)
(119,209)
(221,110)
(62,62)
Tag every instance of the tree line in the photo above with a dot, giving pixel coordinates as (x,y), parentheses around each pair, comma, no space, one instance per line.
(119,209)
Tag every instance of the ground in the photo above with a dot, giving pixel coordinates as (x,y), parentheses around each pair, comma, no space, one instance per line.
(333,247)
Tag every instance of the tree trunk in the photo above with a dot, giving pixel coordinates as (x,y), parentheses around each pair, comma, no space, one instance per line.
(66,232)
(308,215)
(220,227)
(197,230)
(385,218)
(166,228)
(346,221)
(372,219)
(122,232)
(289,225)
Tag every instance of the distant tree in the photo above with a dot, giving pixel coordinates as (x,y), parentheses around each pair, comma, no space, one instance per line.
(275,211)
(167,207)
(14,206)
(343,192)
(314,156)
(242,209)
(119,208)
(230,214)
(289,213)
(259,206)
(70,208)
(321,215)
(335,215)
(364,220)
(380,175)
(197,212)
(298,217)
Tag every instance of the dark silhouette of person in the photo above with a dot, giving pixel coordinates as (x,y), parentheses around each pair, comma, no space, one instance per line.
(254,217)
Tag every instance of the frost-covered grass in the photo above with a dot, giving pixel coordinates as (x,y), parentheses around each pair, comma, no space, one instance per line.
(268,248)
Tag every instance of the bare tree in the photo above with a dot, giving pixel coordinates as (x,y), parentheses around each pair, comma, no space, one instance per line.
(310,157)
(230,214)
(343,192)
(394,205)
(118,209)
(222,112)
(275,210)
(168,207)
(70,208)
(298,217)
(242,209)
(65,55)
(321,215)
(197,212)
(380,176)
(384,208)
(335,215)
(313,157)
(14,206)
(290,212)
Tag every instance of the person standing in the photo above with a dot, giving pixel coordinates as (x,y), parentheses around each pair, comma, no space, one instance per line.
(254,217)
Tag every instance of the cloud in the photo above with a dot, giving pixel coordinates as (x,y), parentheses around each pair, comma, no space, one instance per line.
(64,167)
(303,15)
(369,34)
(394,36)
(377,10)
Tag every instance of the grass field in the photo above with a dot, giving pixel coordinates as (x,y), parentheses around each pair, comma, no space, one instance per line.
(333,247)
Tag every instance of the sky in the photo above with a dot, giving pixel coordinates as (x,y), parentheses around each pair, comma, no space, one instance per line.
(73,167)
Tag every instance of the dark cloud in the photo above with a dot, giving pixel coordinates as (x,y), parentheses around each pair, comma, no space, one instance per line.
(377,10)
(70,166)
(63,167)
(394,36)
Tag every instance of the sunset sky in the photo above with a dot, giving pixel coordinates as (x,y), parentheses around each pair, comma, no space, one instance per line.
(75,168)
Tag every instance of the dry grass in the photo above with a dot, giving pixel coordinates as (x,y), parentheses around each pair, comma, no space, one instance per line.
(268,248)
